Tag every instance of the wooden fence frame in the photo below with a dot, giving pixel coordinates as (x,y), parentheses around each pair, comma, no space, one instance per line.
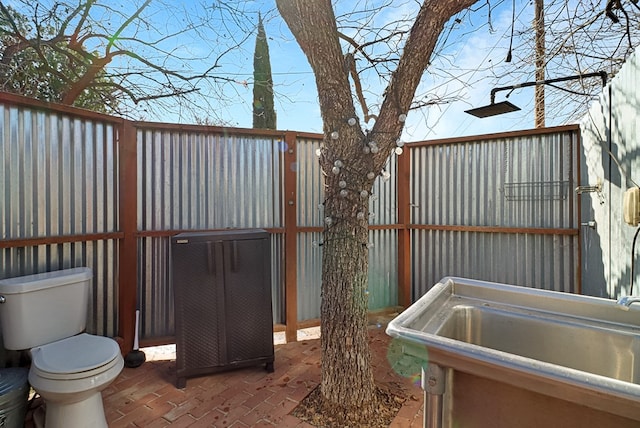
(127,235)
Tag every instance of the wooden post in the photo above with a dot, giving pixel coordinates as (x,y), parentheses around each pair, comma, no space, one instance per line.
(404,233)
(127,248)
(291,236)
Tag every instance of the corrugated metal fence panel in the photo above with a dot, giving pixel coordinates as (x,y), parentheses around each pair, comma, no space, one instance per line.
(58,176)
(526,181)
(521,182)
(538,261)
(309,276)
(277,279)
(191,181)
(310,195)
(383,207)
(155,292)
(195,180)
(310,188)
(383,269)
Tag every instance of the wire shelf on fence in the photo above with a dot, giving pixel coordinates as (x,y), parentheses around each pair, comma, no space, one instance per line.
(537,190)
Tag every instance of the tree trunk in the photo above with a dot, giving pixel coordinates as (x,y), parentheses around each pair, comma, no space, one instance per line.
(347,378)
(540,64)
(351,165)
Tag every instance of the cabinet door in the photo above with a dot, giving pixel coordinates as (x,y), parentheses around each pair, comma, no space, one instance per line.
(198,277)
(249,319)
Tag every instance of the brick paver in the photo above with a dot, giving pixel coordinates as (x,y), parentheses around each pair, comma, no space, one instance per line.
(247,397)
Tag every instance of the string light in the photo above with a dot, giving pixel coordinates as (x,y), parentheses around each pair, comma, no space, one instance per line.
(373,146)
(370,146)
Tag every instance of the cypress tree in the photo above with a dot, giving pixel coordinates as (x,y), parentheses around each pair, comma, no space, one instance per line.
(264,115)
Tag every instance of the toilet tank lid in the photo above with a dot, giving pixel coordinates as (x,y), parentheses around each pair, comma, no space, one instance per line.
(23,284)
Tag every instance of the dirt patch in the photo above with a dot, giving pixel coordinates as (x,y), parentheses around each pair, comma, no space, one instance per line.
(390,400)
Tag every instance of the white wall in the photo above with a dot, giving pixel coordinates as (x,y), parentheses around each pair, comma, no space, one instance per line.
(610,153)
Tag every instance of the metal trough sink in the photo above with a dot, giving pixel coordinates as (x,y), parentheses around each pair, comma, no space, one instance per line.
(568,342)
(578,348)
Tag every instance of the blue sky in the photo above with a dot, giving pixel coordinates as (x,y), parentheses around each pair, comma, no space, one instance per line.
(471,65)
(296,96)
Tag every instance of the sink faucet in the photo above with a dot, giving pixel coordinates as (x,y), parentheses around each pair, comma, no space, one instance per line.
(626,301)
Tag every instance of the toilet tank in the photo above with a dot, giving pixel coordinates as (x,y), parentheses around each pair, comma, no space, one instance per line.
(45,307)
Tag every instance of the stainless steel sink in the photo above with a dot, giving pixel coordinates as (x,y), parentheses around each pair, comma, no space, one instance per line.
(606,350)
(580,348)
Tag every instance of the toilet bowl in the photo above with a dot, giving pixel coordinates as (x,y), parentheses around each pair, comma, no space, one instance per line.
(70,374)
(46,313)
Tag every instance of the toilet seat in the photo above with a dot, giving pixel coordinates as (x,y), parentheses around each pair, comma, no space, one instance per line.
(75,357)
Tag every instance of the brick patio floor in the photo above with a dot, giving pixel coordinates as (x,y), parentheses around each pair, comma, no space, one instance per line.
(147,397)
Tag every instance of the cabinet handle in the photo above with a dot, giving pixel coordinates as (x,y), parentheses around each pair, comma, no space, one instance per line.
(234,256)
(211,261)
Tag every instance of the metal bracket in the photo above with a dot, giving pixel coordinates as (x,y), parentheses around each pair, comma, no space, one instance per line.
(433,379)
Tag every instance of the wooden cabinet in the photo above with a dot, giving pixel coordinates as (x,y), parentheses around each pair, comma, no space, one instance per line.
(222,298)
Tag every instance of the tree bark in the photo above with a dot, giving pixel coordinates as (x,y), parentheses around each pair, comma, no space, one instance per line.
(350,168)
(540,64)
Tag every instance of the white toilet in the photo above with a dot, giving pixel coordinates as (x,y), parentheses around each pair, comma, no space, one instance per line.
(44,313)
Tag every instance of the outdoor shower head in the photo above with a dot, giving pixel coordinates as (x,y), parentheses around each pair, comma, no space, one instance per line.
(506,107)
(493,109)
